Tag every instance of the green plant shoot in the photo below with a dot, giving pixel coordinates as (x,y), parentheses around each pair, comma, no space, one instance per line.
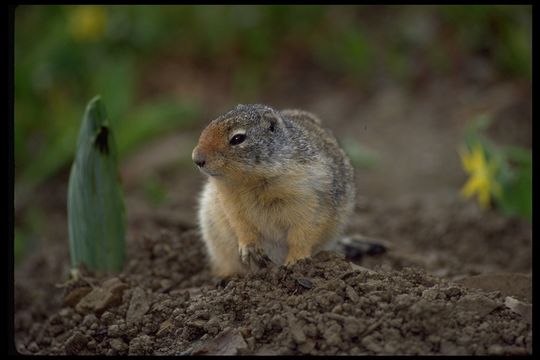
(96,215)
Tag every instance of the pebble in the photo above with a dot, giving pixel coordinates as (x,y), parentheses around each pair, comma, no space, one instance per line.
(118,345)
(495,350)
(138,306)
(33,347)
(89,320)
(352,294)
(114,330)
(101,298)
(75,343)
(140,345)
(332,335)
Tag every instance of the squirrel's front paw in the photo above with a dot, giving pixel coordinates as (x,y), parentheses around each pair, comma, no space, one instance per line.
(253,256)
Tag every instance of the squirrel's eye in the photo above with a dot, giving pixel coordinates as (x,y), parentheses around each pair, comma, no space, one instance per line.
(237,139)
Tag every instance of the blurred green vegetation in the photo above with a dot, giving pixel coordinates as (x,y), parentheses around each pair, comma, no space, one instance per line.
(65,55)
(361,156)
(155,191)
(501,176)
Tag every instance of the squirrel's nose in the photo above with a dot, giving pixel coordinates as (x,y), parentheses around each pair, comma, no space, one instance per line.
(198,158)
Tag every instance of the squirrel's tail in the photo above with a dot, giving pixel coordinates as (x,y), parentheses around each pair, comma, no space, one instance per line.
(355,246)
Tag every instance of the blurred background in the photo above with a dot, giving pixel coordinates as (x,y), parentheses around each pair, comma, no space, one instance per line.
(428,101)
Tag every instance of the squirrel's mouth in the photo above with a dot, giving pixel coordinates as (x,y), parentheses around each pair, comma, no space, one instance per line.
(208,172)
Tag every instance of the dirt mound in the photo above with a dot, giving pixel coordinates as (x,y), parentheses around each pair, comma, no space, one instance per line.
(166,302)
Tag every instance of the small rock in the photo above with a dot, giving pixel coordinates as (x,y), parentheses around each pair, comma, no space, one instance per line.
(353,327)
(165,284)
(73,297)
(64,312)
(91,344)
(118,345)
(483,326)
(389,348)
(107,317)
(250,342)
(495,350)
(138,306)
(295,329)
(164,327)
(452,291)
(371,344)
(516,351)
(352,294)
(509,284)
(332,335)
(101,298)
(141,345)
(114,285)
(449,348)
(305,282)
(75,343)
(33,347)
(430,294)
(228,342)
(89,320)
(268,350)
(434,339)
(114,331)
(362,269)
(306,347)
(479,304)
(525,310)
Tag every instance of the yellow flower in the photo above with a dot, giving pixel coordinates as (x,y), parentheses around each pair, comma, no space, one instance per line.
(87,22)
(482,175)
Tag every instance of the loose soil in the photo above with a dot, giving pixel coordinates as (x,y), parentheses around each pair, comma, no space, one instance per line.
(453,279)
(166,301)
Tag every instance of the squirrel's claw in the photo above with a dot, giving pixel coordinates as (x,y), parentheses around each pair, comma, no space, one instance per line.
(254,257)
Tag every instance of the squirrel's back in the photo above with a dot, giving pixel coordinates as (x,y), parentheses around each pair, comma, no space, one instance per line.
(323,142)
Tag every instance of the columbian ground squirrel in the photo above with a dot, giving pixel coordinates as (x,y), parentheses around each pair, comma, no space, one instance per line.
(279,188)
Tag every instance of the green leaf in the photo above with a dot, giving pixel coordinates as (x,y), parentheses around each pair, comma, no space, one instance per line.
(96,215)
(516,196)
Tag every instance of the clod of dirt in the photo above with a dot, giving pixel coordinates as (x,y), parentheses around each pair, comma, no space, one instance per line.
(138,306)
(295,329)
(480,305)
(101,298)
(75,295)
(517,285)
(75,343)
(228,342)
(141,345)
(118,345)
(525,310)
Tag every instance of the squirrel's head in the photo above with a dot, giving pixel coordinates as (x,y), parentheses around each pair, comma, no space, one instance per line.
(242,142)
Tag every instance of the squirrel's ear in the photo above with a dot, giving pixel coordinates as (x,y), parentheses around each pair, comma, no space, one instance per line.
(272,119)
